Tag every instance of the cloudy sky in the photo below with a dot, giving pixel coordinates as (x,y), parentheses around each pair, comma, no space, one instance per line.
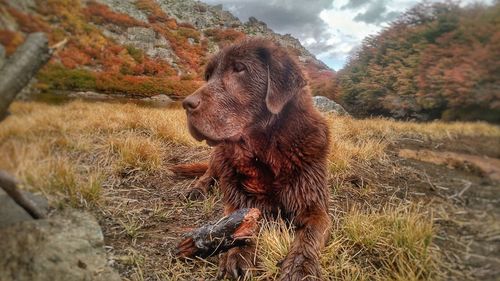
(330,29)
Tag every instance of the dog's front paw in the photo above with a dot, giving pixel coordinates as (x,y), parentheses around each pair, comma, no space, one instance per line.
(196,193)
(297,267)
(236,264)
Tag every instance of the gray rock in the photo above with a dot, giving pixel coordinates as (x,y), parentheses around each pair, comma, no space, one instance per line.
(25,6)
(66,247)
(159,100)
(90,95)
(11,213)
(145,39)
(325,104)
(126,7)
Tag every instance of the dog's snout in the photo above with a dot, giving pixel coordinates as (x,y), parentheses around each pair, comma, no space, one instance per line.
(191,103)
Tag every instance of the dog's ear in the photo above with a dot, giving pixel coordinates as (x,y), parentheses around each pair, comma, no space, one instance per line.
(284,77)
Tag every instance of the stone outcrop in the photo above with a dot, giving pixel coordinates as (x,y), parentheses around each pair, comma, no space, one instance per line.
(200,15)
(68,246)
(325,104)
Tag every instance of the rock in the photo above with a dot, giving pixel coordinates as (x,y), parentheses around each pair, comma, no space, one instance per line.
(11,213)
(145,39)
(67,247)
(325,104)
(89,95)
(25,6)
(126,7)
(159,100)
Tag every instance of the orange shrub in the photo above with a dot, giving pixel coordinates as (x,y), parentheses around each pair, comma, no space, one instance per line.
(154,11)
(186,25)
(72,57)
(190,54)
(225,36)
(27,22)
(10,40)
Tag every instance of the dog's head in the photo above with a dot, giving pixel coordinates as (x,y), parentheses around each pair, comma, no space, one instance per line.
(245,83)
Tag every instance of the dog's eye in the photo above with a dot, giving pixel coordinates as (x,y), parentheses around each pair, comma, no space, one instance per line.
(238,67)
(207,76)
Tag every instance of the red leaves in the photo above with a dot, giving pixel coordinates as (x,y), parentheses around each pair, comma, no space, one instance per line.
(154,11)
(225,36)
(436,58)
(10,40)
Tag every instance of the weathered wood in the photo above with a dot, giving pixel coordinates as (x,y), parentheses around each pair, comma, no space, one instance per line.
(15,74)
(2,56)
(9,184)
(21,67)
(234,230)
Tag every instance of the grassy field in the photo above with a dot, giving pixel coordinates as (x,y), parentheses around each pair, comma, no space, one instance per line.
(394,218)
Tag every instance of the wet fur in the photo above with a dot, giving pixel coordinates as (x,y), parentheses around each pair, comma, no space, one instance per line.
(270,149)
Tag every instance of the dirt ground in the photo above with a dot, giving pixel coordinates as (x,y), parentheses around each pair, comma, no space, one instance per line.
(465,204)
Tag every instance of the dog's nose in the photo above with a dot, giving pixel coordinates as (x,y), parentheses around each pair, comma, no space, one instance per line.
(191,103)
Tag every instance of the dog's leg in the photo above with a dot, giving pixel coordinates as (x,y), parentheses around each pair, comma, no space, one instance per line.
(302,262)
(237,263)
(206,181)
(202,186)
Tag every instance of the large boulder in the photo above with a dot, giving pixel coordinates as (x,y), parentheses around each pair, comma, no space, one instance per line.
(68,246)
(325,104)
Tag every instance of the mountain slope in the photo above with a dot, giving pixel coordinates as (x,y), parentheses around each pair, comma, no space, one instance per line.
(138,48)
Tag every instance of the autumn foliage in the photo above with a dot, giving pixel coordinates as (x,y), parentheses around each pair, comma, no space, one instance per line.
(436,61)
(224,36)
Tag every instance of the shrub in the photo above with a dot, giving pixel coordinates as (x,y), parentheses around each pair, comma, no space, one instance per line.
(154,11)
(225,36)
(27,22)
(58,77)
(10,40)
(144,85)
(136,54)
(72,57)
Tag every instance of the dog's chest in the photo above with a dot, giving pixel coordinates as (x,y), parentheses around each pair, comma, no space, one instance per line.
(252,174)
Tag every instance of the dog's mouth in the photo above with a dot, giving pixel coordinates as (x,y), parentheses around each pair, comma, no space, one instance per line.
(211,141)
(200,137)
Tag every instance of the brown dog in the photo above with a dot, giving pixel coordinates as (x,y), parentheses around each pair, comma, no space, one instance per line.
(270,148)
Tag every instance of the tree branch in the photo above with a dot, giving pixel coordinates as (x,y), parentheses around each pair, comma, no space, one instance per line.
(21,67)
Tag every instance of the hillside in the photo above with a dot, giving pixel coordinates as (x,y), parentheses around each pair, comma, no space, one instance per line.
(437,61)
(137,48)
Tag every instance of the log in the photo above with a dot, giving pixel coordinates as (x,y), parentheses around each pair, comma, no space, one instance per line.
(15,74)
(234,230)
(2,56)
(19,68)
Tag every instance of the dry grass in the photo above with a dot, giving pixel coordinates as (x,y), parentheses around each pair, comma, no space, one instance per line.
(392,243)
(360,142)
(67,151)
(112,159)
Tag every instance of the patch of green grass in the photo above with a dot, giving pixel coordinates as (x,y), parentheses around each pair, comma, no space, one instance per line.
(57,77)
(135,53)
